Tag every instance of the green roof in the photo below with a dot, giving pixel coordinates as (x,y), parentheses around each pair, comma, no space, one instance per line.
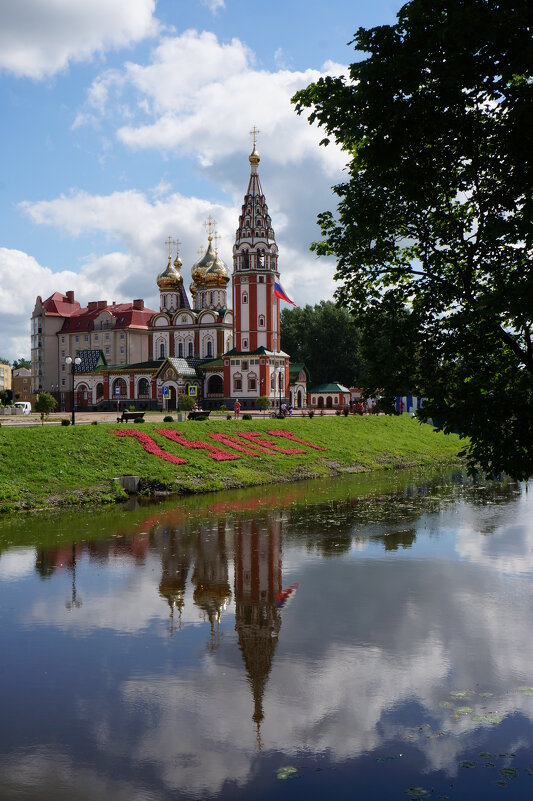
(295,368)
(328,388)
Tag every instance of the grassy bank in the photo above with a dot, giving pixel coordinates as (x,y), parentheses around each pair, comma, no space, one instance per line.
(51,466)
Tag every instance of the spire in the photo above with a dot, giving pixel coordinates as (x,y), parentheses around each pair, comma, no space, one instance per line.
(254,155)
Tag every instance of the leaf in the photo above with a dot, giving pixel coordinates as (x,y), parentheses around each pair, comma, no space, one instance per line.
(286,772)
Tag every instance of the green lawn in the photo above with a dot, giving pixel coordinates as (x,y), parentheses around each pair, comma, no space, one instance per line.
(48,466)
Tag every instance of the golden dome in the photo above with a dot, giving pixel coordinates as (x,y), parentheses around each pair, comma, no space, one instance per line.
(192,289)
(202,265)
(254,156)
(170,278)
(217,275)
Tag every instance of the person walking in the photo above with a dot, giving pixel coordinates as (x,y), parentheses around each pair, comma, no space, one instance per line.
(237,408)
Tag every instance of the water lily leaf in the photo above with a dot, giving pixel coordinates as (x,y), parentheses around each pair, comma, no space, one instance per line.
(460,693)
(508,773)
(446,704)
(286,772)
(487,755)
(461,711)
(490,717)
(526,690)
(416,793)
(486,695)
(501,783)
(467,764)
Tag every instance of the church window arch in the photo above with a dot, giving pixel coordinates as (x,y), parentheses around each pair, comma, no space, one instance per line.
(245,297)
(180,350)
(143,388)
(209,348)
(261,320)
(122,387)
(162,350)
(190,350)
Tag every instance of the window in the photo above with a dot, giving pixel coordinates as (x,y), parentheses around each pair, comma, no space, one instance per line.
(96,337)
(180,350)
(122,350)
(62,368)
(62,382)
(62,352)
(245,261)
(245,343)
(122,334)
(244,299)
(62,340)
(190,350)
(261,279)
(252,384)
(107,351)
(107,336)
(162,351)
(86,337)
(261,320)
(209,348)
(237,384)
(211,298)
(245,365)
(143,390)
(77,338)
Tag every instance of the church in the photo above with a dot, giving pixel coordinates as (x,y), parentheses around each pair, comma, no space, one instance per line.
(204,343)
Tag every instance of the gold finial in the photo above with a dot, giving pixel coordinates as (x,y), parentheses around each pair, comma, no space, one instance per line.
(177,243)
(201,251)
(209,227)
(169,243)
(254,133)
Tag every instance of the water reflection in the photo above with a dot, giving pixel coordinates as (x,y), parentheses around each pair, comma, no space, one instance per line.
(381,637)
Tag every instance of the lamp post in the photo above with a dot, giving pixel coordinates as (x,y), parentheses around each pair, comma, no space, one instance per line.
(280,374)
(75,363)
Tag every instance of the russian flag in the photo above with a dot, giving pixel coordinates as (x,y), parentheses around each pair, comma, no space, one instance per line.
(280,293)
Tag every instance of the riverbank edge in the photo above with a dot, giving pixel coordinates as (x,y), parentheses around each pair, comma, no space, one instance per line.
(351,445)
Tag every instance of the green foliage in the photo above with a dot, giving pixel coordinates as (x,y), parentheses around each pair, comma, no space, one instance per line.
(4,361)
(131,408)
(436,214)
(247,416)
(65,421)
(18,363)
(139,420)
(186,402)
(168,418)
(263,403)
(45,404)
(326,338)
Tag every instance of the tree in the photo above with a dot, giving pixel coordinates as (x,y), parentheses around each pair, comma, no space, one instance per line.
(263,403)
(326,338)
(45,404)
(437,208)
(4,361)
(18,363)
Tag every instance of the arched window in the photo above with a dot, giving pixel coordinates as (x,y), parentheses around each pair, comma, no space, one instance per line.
(245,297)
(143,388)
(261,320)
(162,351)
(245,260)
(209,348)
(121,385)
(180,350)
(329,401)
(99,391)
(190,350)
(215,385)
(211,298)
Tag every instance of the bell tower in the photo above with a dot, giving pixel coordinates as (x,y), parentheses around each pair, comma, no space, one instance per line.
(255,270)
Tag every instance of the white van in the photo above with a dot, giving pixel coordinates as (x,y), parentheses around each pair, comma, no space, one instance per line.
(24,405)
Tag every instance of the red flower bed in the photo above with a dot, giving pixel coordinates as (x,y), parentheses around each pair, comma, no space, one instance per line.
(149,445)
(288,435)
(264,444)
(214,453)
(232,442)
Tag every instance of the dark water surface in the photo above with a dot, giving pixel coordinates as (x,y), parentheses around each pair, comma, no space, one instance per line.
(364,638)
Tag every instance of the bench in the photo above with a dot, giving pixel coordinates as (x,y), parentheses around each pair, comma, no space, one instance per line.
(126,416)
(198,415)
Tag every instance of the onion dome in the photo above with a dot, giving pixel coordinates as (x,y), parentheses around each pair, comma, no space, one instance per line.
(217,275)
(254,156)
(202,265)
(170,278)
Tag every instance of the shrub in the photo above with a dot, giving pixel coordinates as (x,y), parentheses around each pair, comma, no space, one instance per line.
(200,417)
(131,408)
(247,416)
(94,422)
(139,420)
(45,404)
(168,418)
(222,408)
(65,421)
(346,411)
(338,412)
(228,417)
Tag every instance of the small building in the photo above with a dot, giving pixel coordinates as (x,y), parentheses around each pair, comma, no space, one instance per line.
(21,385)
(299,380)
(328,396)
(5,376)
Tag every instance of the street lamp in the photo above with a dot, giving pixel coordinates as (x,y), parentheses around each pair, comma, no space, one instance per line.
(280,374)
(75,363)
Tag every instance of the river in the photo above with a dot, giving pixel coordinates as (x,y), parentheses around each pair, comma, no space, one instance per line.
(367,637)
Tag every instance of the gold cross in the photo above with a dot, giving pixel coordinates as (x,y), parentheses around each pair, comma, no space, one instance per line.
(217,238)
(177,243)
(201,251)
(254,133)
(209,226)
(169,243)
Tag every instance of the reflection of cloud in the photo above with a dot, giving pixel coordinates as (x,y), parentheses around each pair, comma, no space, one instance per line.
(16,563)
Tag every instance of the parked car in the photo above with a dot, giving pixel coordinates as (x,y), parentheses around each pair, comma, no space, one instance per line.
(24,405)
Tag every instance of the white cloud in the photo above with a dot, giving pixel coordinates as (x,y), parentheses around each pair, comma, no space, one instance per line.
(17,563)
(214,5)
(41,37)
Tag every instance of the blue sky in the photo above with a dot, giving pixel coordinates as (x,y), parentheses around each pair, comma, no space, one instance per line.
(126,121)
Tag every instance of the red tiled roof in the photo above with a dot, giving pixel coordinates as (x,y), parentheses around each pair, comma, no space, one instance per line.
(125,314)
(58,305)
